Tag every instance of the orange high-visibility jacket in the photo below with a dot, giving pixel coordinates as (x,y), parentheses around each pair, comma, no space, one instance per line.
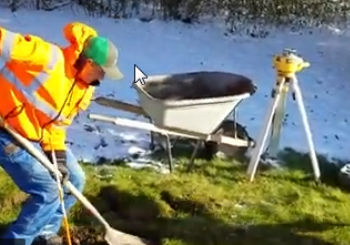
(39,95)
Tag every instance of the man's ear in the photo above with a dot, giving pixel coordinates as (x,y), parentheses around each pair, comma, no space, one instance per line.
(95,83)
(89,61)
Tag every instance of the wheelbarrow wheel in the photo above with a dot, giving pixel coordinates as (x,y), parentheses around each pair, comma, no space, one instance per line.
(227,128)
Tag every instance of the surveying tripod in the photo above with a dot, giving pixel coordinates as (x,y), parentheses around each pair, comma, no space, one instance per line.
(287,65)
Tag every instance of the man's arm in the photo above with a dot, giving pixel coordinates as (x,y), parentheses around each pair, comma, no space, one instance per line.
(27,48)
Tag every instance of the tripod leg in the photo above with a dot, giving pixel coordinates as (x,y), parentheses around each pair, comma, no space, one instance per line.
(257,151)
(277,123)
(299,99)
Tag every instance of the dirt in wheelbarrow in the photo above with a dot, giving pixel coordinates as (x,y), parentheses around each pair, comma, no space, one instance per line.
(200,86)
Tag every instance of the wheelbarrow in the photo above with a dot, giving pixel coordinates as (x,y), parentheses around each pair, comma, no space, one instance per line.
(189,105)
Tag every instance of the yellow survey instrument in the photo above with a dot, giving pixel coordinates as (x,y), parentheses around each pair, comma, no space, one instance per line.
(288,63)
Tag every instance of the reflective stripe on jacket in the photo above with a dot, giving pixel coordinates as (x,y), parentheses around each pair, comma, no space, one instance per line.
(38,91)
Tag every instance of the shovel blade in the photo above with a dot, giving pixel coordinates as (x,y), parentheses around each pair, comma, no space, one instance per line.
(114,237)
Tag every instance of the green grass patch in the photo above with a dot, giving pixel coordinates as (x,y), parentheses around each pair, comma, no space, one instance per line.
(212,204)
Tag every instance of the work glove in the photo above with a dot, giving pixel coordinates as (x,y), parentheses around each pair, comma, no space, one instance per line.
(61,159)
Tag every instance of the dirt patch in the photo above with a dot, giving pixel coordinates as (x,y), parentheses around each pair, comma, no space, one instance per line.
(183,204)
(86,236)
(128,206)
(130,213)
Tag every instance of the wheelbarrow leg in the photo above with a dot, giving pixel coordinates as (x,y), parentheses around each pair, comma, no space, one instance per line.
(194,154)
(235,122)
(152,145)
(170,157)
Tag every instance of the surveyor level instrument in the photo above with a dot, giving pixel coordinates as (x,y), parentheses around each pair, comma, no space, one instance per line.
(286,65)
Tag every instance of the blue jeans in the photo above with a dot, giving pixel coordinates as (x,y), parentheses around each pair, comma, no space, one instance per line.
(41,215)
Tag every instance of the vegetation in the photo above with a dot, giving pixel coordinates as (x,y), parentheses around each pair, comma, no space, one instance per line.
(212,204)
(236,13)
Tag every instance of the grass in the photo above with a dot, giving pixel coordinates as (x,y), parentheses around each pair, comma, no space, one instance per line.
(213,204)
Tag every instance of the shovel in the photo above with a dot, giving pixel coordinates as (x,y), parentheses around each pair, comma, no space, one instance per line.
(112,236)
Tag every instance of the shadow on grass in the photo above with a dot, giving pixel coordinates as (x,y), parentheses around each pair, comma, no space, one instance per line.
(231,170)
(189,222)
(182,151)
(3,227)
(301,161)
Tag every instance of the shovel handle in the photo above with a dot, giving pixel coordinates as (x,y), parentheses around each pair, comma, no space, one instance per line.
(40,156)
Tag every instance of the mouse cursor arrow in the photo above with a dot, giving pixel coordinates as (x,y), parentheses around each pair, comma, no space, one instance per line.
(139,75)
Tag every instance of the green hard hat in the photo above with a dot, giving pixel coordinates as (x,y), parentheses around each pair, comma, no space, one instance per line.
(105,54)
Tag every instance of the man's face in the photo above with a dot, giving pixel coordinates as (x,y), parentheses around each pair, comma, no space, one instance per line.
(90,72)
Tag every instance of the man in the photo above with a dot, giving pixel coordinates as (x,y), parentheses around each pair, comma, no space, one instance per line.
(42,88)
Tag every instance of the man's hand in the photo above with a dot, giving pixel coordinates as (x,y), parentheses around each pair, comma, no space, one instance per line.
(61,159)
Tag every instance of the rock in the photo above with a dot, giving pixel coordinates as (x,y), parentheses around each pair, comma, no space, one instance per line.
(103,142)
(344,176)
(89,128)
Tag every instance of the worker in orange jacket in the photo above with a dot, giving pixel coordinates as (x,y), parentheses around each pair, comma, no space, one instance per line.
(42,87)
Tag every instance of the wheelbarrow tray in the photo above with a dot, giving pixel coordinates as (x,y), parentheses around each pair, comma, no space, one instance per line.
(194,102)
